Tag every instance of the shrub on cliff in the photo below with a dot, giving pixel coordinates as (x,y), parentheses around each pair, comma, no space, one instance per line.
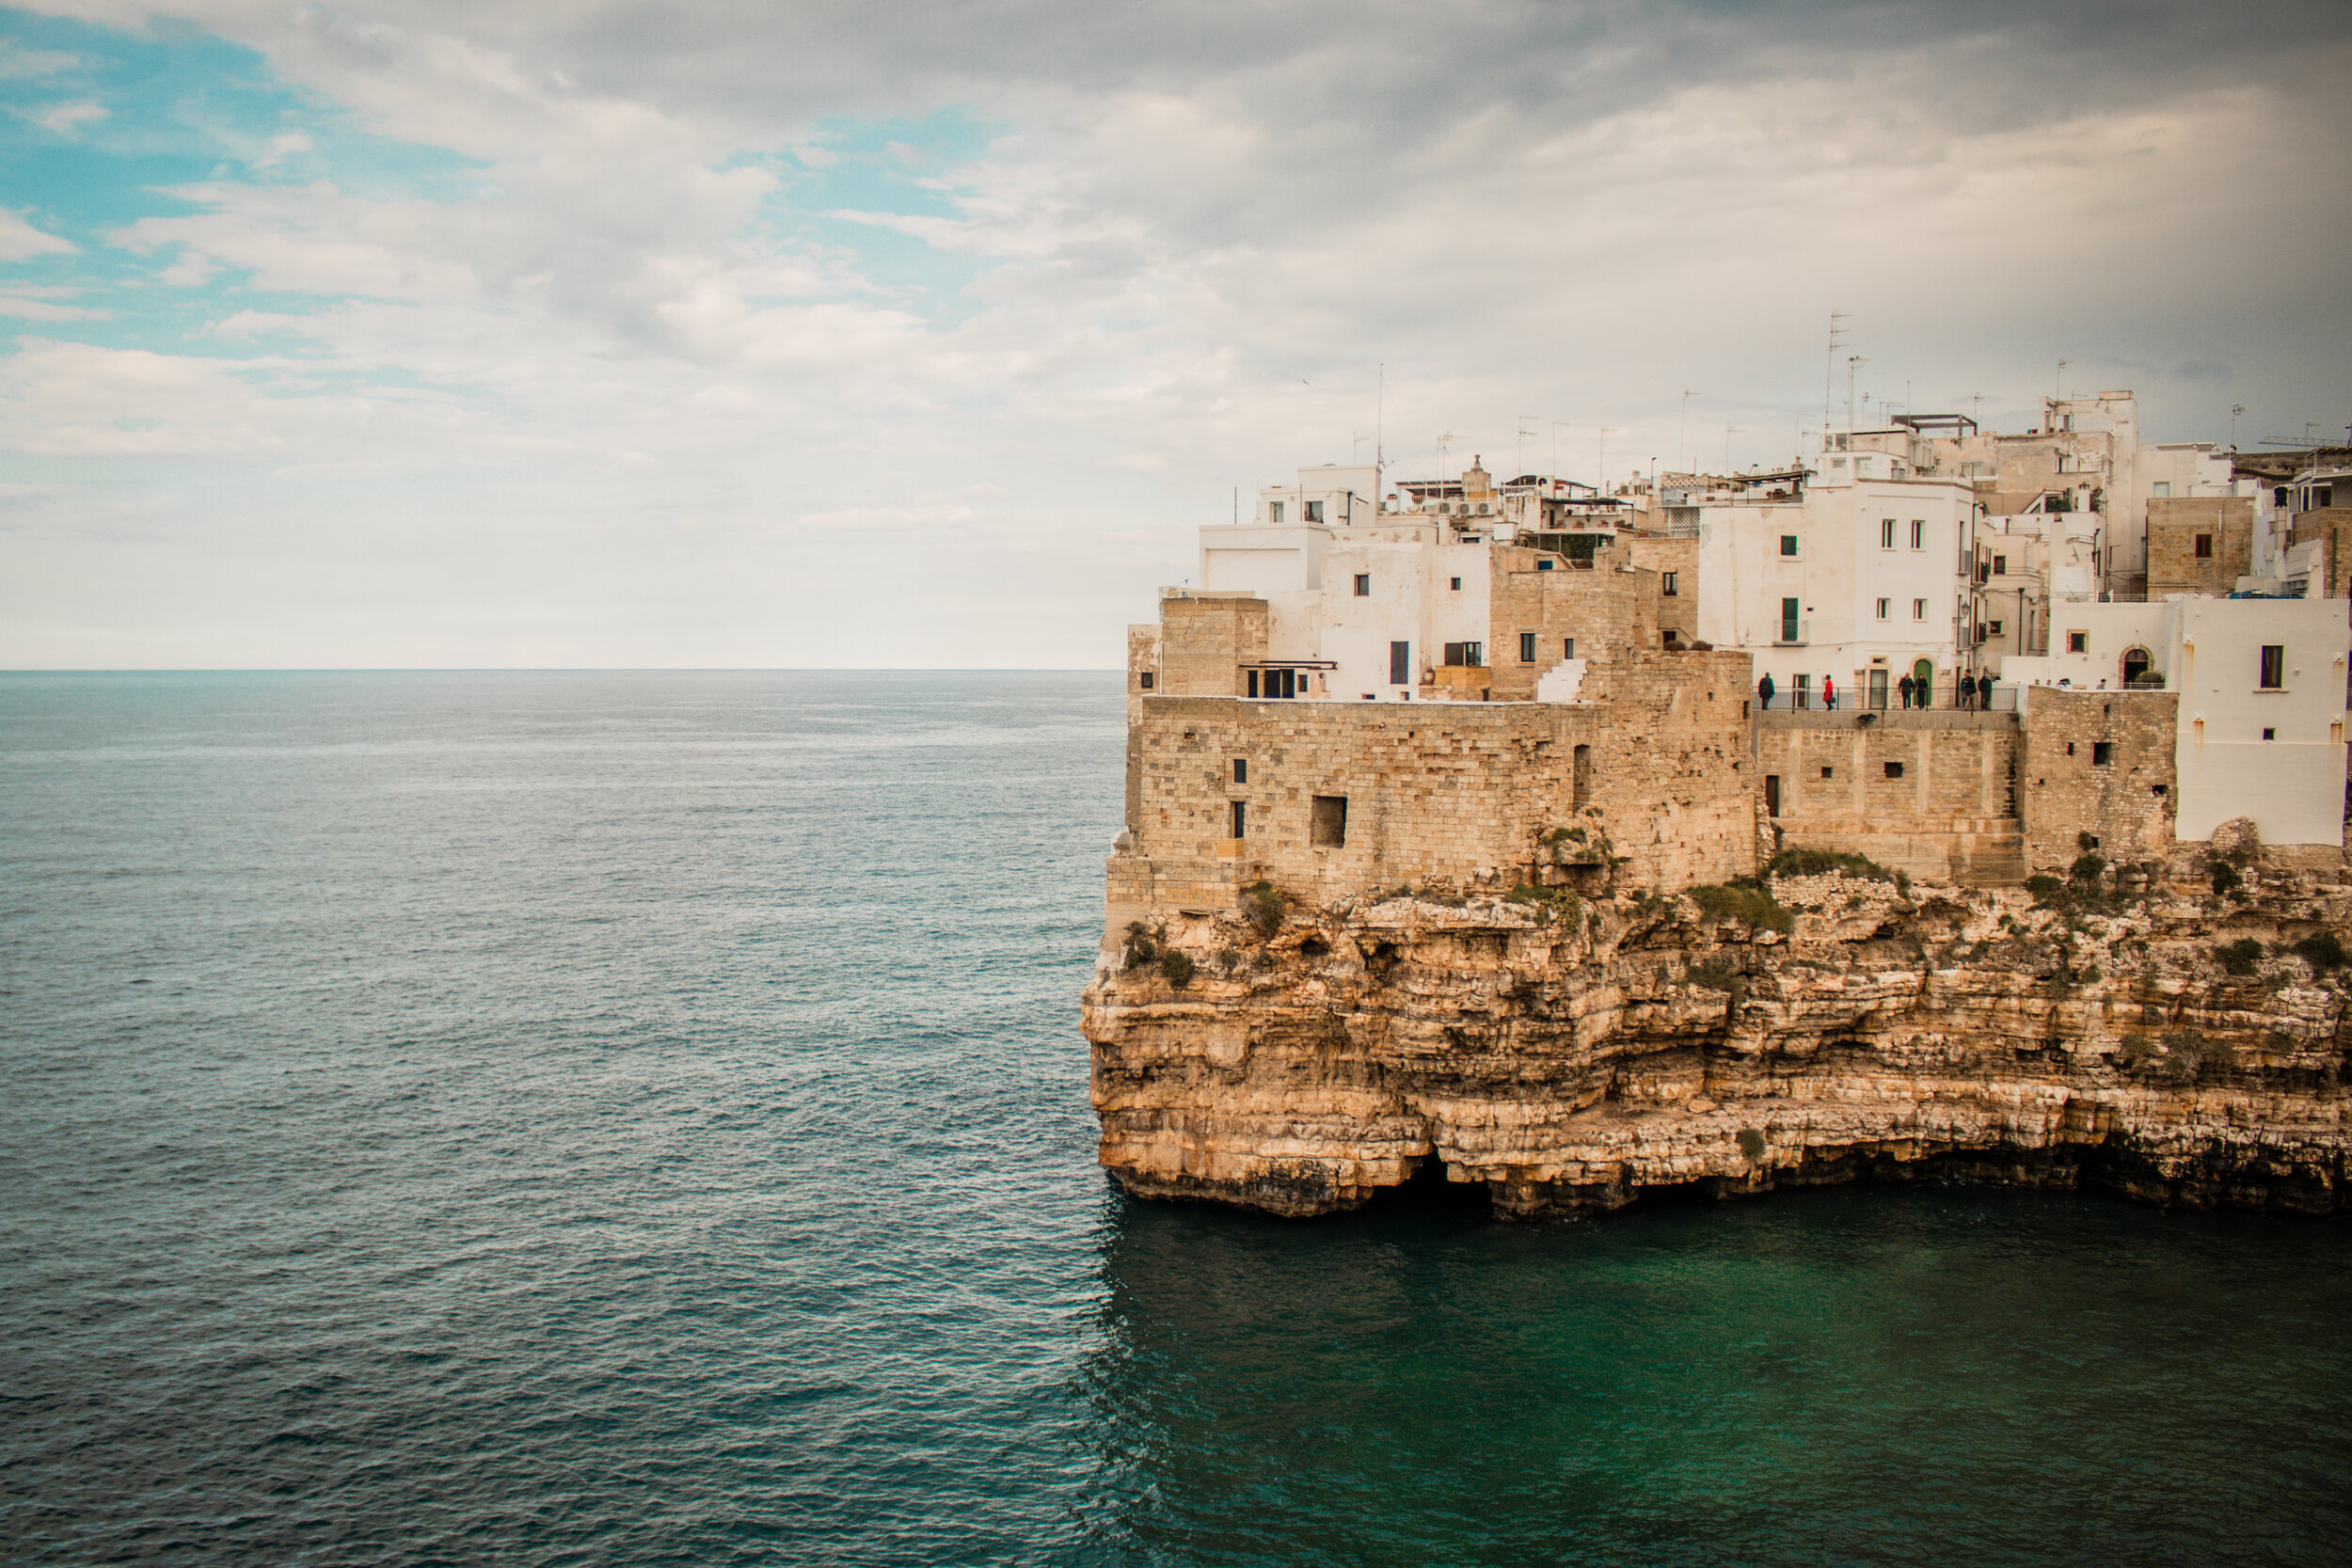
(2225,878)
(2046,889)
(1751,1144)
(2322,951)
(1754,905)
(2088,868)
(1178,967)
(1263,906)
(1140,947)
(1822,862)
(2239,957)
(1713,975)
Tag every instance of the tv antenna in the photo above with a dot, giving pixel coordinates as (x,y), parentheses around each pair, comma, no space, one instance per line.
(1837,339)
(1854,363)
(1730,431)
(1682,443)
(2235,410)
(1524,433)
(1601,461)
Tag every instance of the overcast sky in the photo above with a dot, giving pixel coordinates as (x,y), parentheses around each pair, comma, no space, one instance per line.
(432,333)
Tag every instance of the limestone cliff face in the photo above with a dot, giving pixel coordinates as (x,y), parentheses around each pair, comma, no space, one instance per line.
(1569,1054)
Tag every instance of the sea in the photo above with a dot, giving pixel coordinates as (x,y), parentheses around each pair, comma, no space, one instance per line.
(617,1119)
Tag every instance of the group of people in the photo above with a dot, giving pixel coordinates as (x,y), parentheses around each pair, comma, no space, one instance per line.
(1969,692)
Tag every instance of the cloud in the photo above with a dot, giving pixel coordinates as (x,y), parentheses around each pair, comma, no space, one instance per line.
(20,242)
(66,119)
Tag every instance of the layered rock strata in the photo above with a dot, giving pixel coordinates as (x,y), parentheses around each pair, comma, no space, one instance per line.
(1568,1053)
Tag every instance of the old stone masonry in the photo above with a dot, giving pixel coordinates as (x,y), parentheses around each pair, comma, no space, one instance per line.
(1608,920)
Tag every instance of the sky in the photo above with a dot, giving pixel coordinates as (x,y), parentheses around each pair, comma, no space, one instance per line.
(665,334)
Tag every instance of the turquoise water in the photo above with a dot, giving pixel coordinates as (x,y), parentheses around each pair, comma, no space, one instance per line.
(641,1118)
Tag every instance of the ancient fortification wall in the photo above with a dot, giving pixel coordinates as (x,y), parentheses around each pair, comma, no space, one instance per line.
(1610,611)
(2176,524)
(1927,792)
(2099,763)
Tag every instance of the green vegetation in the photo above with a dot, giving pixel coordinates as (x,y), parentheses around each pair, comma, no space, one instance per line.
(1822,862)
(2046,889)
(1139,943)
(1752,1144)
(2083,842)
(1263,906)
(2240,956)
(1552,902)
(2088,869)
(1742,900)
(2322,951)
(2225,878)
(1178,967)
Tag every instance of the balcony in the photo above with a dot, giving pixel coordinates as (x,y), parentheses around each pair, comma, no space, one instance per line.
(1790,634)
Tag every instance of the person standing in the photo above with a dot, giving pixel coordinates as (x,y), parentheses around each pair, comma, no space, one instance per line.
(1903,685)
(1984,692)
(1829,692)
(1764,692)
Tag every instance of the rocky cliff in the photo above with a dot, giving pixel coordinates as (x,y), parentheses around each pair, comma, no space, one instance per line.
(2178,1032)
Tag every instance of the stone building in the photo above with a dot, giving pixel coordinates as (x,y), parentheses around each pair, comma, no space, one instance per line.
(2200,544)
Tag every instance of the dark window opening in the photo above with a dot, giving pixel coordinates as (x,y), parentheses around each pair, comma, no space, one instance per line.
(2102,753)
(1829,772)
(1363,585)
(2135,663)
(1326,822)
(1527,647)
(2155,789)
(1241,770)
(1894,769)
(1771,795)
(1241,819)
(2078,641)
(2270,735)
(1253,682)
(1568,647)
(1457,585)
(1667,587)
(1544,565)
(2273,673)
(1400,663)
(2205,547)
(1144,680)
(2069,748)
(1787,544)
(1465,655)
(1314,512)
(2000,565)
(1582,775)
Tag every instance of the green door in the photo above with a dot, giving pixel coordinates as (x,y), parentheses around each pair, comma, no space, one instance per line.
(1923,681)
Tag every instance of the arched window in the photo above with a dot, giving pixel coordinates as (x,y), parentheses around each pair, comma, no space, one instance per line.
(2135,663)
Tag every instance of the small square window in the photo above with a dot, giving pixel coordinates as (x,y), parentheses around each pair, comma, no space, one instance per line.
(1544,565)
(1144,680)
(2069,748)
(1314,512)
(1568,647)
(1789,544)
(1667,587)
(2000,565)
(1527,647)
(2205,547)
(1241,770)
(1993,628)
(2102,753)
(1363,585)
(1457,585)
(1894,769)
(1829,772)
(2078,641)
(2269,734)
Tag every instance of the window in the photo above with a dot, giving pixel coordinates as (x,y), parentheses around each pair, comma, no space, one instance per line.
(1993,628)
(1241,820)
(1465,655)
(2164,488)
(1241,770)
(1327,823)
(1788,620)
(1666,589)
(2000,565)
(1789,544)
(2269,734)
(1273,513)
(1527,647)
(1400,664)
(1568,647)
(1918,534)
(1543,563)
(1314,512)
(2078,641)
(1253,682)
(2102,753)
(1918,610)
(1887,535)
(1145,680)
(2274,667)
(1894,769)
(1883,608)
(1829,772)
(2205,547)
(1457,585)
(1581,775)
(1363,585)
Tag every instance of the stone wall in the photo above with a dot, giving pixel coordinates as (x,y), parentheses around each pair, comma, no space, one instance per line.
(1609,611)
(1652,773)
(1926,792)
(2335,525)
(2174,526)
(1678,611)
(2126,801)
(1206,639)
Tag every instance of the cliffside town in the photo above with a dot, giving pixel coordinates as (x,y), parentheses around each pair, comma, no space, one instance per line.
(1620,913)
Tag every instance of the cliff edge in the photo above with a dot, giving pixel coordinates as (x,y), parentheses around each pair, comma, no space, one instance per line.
(2175,1032)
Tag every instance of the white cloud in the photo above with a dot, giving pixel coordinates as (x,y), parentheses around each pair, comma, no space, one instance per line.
(66,119)
(20,242)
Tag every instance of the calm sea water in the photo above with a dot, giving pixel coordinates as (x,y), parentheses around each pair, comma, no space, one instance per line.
(536,1118)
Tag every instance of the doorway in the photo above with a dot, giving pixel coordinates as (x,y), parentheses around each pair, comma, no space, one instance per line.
(1923,682)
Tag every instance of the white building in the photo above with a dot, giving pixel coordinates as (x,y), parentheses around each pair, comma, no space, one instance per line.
(1858,579)
(2262,700)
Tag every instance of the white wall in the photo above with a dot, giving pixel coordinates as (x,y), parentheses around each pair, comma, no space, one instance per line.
(2291,784)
